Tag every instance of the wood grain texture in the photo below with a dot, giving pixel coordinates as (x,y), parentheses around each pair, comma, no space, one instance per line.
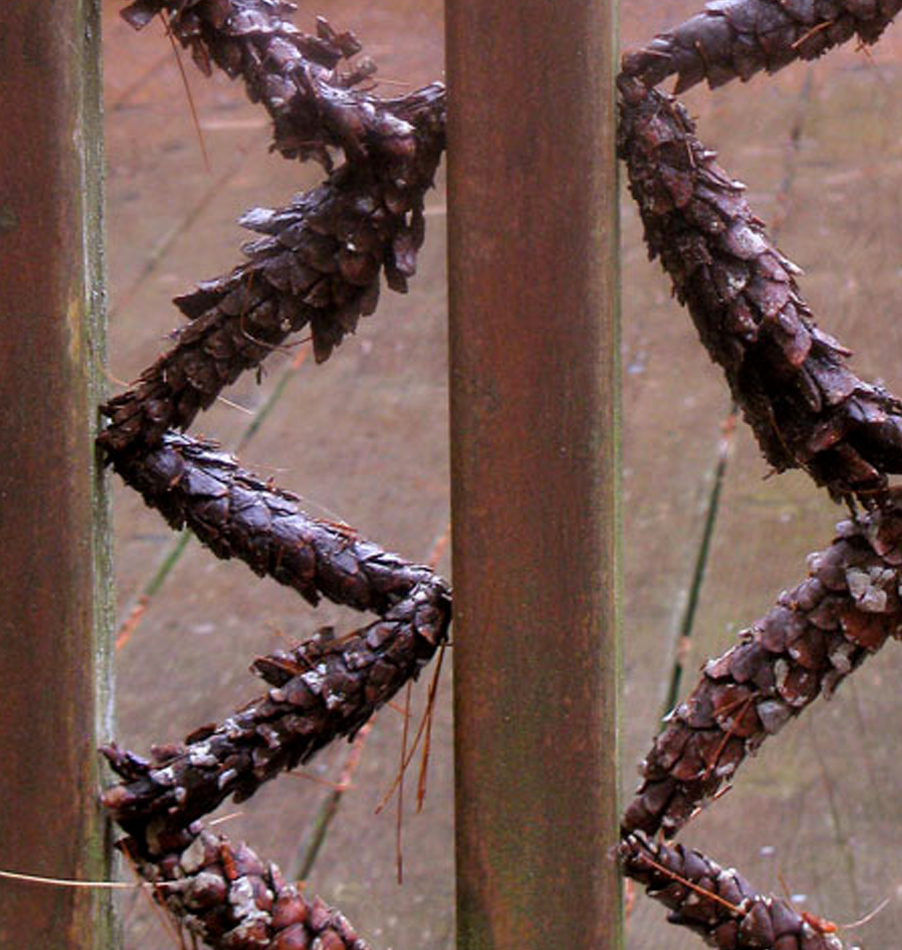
(533,331)
(54,560)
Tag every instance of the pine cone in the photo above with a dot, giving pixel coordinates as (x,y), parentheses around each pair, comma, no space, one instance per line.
(318,265)
(324,688)
(720,904)
(320,259)
(293,74)
(235,514)
(818,633)
(807,408)
(331,688)
(734,39)
(232,900)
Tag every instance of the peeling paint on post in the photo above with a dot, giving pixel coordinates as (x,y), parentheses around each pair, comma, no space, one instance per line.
(55,601)
(533,245)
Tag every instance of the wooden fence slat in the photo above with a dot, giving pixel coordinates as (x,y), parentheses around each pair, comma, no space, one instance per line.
(54,559)
(532,234)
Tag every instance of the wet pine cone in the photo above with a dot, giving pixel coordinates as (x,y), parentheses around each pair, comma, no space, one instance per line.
(317,265)
(807,408)
(816,634)
(232,900)
(734,39)
(718,903)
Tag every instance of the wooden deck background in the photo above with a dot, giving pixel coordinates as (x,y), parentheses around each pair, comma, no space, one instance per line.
(364,438)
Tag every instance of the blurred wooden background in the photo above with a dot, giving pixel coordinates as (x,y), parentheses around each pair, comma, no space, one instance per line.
(364,438)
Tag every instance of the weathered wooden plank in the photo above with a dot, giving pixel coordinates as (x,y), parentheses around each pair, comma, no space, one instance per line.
(55,609)
(534,454)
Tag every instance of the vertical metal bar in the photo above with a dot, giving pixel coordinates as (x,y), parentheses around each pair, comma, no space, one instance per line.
(533,249)
(54,559)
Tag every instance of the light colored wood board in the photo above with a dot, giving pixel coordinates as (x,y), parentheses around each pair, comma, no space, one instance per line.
(641,20)
(671,429)
(819,795)
(133,58)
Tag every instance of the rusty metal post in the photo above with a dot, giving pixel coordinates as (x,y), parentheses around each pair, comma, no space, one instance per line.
(533,250)
(54,558)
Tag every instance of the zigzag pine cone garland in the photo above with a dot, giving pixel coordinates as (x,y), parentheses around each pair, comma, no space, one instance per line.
(807,410)
(317,264)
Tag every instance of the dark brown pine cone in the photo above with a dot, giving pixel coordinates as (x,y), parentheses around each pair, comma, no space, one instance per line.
(734,39)
(807,408)
(312,104)
(226,896)
(323,689)
(318,265)
(817,634)
(719,904)
(320,260)
(237,515)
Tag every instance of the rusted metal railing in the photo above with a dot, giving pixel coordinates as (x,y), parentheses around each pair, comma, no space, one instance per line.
(533,242)
(54,556)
